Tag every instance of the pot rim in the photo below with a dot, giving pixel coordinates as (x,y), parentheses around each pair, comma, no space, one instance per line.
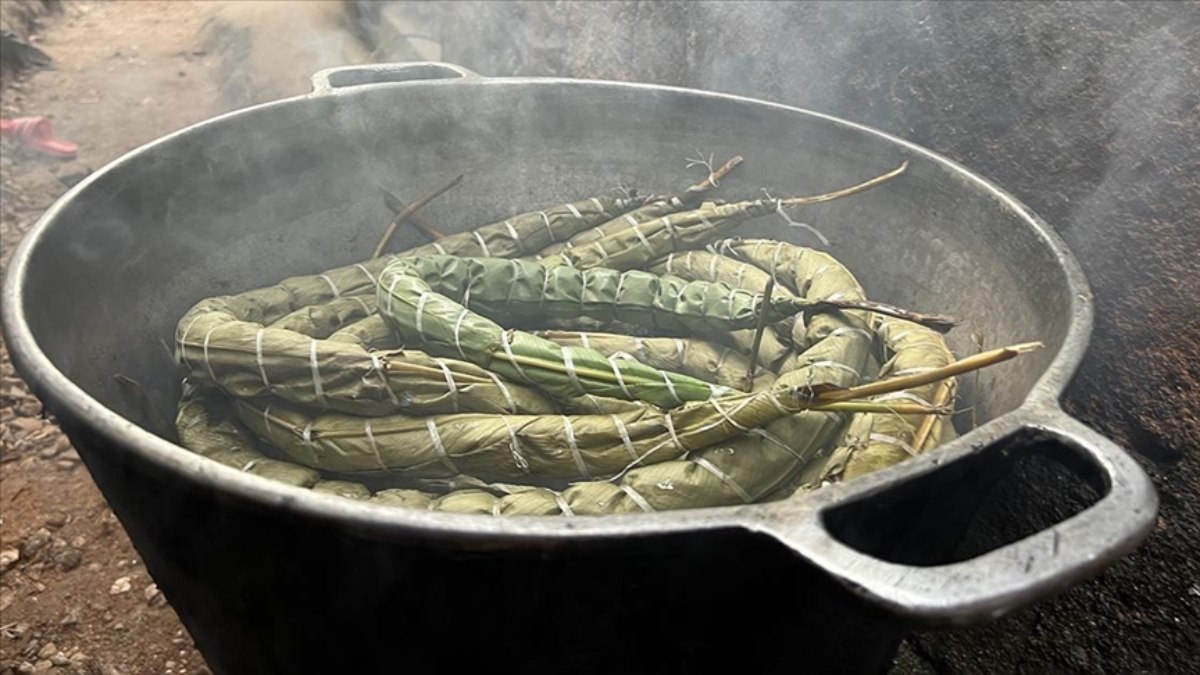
(61,393)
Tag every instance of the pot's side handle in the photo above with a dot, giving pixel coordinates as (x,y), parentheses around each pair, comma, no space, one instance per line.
(330,79)
(1009,577)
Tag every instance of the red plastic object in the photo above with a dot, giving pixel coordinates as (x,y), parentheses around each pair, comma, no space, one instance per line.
(36,134)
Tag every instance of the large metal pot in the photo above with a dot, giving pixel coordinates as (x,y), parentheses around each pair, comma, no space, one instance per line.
(272,579)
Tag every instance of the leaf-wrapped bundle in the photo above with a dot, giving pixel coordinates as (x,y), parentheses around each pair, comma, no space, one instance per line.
(504,447)
(691,356)
(531,232)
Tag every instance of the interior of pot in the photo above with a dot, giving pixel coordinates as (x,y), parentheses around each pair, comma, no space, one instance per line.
(293,188)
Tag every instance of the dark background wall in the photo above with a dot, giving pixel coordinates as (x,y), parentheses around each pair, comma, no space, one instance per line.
(1088,112)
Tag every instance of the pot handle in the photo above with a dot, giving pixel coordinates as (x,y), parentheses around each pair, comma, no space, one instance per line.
(1005,578)
(330,79)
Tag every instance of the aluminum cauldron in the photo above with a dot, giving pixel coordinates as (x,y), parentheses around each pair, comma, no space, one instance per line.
(274,579)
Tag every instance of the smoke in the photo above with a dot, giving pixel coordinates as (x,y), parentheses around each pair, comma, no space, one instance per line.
(268,50)
(1088,112)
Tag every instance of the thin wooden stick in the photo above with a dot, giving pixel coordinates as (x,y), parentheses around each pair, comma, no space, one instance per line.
(846,192)
(939,400)
(959,367)
(695,192)
(713,177)
(888,407)
(939,322)
(763,315)
(412,208)
(393,202)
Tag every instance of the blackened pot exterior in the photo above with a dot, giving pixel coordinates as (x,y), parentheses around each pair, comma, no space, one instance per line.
(272,579)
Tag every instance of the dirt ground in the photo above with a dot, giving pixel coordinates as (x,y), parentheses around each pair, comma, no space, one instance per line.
(73,591)
(74,597)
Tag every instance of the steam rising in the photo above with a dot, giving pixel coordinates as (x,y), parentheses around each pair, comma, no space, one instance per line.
(1088,112)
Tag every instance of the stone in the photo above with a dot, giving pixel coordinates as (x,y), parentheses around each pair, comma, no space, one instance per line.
(26,425)
(8,558)
(71,618)
(153,596)
(36,542)
(121,585)
(67,557)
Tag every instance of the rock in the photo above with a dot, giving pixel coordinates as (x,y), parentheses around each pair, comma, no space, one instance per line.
(79,542)
(94,566)
(26,425)
(8,558)
(121,585)
(60,659)
(48,452)
(43,666)
(67,558)
(7,597)
(25,667)
(63,444)
(153,596)
(56,520)
(49,649)
(31,408)
(66,464)
(36,542)
(108,522)
(71,618)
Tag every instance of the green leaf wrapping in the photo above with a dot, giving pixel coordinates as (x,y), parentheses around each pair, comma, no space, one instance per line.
(510,447)
(643,214)
(529,232)
(413,296)
(308,366)
(207,427)
(634,246)
(707,266)
(689,356)
(247,360)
